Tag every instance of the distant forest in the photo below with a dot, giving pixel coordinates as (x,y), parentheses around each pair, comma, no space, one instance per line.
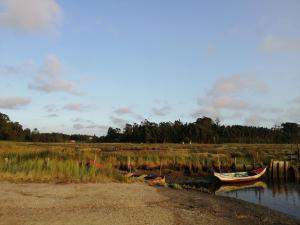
(203,130)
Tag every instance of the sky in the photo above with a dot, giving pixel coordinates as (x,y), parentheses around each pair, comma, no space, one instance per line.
(80,67)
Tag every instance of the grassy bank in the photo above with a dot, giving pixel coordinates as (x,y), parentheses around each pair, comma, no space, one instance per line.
(66,162)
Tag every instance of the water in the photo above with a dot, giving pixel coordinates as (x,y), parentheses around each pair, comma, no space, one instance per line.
(283,197)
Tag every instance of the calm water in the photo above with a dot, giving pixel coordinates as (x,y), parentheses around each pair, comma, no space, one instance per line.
(284,197)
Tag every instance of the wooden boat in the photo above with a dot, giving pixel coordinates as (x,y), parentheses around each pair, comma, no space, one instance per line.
(241,176)
(93,163)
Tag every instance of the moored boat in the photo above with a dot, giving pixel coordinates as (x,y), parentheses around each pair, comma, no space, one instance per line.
(241,176)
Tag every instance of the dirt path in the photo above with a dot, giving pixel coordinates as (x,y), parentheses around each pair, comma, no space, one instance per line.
(89,204)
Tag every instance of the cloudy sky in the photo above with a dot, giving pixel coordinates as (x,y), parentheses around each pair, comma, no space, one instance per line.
(79,67)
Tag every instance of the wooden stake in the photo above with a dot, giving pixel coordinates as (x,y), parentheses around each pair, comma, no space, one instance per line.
(129,164)
(219,163)
(298,147)
(160,168)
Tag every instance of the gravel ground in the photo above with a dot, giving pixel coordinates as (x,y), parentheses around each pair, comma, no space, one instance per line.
(115,203)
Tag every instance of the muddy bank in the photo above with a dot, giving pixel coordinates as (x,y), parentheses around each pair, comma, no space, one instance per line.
(116,203)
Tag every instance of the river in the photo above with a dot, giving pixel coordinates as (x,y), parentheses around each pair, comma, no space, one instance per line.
(280,196)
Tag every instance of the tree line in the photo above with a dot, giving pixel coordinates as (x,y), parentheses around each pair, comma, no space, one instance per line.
(13,131)
(203,130)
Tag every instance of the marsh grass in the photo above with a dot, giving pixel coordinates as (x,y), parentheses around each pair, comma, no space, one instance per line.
(52,166)
(66,162)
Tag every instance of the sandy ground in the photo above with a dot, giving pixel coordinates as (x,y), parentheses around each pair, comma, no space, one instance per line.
(114,203)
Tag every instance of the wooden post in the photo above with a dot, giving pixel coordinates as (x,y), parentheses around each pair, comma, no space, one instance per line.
(129,164)
(95,156)
(219,163)
(275,169)
(298,147)
(254,161)
(235,162)
(160,168)
(281,169)
(292,152)
(285,169)
(271,168)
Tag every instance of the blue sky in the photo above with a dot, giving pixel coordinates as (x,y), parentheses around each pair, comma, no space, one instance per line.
(75,67)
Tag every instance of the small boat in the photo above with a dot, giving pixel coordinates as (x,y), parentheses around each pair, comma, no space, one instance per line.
(93,163)
(241,176)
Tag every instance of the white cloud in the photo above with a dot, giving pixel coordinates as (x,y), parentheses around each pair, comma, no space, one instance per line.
(13,102)
(236,84)
(161,111)
(51,108)
(123,110)
(30,15)
(57,86)
(16,70)
(126,111)
(224,100)
(282,44)
(80,120)
(50,78)
(76,107)
(227,101)
(88,125)
(52,115)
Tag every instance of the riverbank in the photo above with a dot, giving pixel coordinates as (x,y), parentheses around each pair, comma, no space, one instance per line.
(121,203)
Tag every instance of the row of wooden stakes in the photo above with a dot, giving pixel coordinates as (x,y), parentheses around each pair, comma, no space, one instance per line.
(283,170)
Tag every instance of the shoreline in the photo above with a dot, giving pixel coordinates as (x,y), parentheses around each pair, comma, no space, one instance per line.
(122,203)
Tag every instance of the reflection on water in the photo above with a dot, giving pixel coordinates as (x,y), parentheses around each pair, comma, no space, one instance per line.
(284,197)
